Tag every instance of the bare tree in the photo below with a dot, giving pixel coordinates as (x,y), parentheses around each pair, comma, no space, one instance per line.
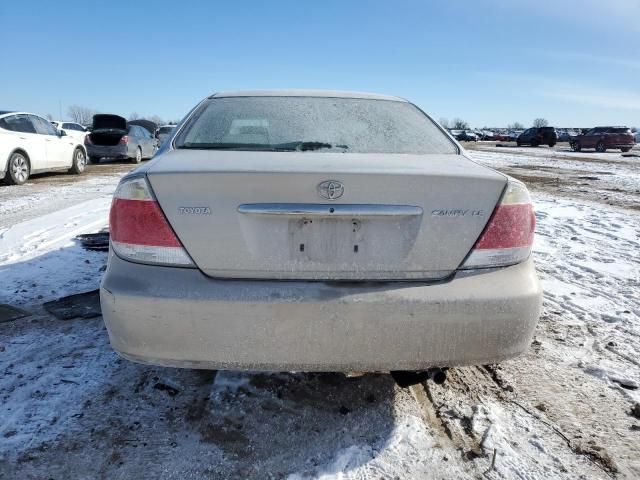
(515,126)
(157,119)
(459,124)
(134,116)
(444,122)
(540,122)
(49,117)
(81,115)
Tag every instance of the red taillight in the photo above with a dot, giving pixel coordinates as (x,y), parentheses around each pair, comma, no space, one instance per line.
(508,236)
(140,222)
(139,230)
(510,226)
(124,139)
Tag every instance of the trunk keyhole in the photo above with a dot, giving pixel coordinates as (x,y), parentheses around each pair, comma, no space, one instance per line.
(355,249)
(302,247)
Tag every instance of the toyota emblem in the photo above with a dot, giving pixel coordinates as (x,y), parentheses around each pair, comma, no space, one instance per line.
(330,189)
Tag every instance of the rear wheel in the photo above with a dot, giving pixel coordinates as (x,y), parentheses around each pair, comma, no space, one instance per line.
(79,161)
(600,147)
(138,157)
(18,169)
(625,149)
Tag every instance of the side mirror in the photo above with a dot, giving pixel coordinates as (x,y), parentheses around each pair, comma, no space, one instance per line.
(62,133)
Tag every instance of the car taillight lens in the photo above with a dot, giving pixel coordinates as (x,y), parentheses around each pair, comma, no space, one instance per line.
(124,139)
(508,236)
(139,230)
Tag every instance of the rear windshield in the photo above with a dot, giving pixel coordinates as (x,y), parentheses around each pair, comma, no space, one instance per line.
(619,130)
(313,124)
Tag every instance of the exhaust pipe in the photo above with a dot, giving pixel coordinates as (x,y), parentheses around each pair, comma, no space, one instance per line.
(405,379)
(438,375)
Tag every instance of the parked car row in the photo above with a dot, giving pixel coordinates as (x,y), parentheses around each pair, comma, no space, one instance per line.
(32,144)
(486,135)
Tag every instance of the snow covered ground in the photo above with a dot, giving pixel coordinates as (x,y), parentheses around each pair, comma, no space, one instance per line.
(72,409)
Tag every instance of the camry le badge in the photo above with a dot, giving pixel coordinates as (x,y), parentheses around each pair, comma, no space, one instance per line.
(330,189)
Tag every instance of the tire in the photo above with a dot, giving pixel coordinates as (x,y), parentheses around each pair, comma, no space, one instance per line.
(575,146)
(600,147)
(519,143)
(93,160)
(18,169)
(79,161)
(625,149)
(138,157)
(552,144)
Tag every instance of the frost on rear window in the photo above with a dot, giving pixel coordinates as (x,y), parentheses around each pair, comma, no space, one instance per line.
(327,124)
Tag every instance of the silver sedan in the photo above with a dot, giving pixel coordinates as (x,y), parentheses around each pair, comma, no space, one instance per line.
(318,231)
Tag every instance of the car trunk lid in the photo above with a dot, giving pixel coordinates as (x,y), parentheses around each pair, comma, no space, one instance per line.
(107,121)
(107,129)
(266,214)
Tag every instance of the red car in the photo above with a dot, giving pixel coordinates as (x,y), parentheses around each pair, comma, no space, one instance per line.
(603,138)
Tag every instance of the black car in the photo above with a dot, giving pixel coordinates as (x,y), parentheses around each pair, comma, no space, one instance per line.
(467,136)
(536,136)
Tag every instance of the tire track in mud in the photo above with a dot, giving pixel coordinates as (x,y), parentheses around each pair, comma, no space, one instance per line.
(499,435)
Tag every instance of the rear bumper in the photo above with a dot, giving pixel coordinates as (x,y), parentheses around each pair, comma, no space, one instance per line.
(179,317)
(108,151)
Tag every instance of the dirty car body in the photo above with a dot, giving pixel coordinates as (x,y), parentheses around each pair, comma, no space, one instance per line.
(318,231)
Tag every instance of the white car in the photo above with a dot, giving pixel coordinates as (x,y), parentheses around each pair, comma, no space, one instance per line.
(71,128)
(31,144)
(163,132)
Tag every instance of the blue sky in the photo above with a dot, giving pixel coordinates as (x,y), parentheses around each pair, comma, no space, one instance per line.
(490,62)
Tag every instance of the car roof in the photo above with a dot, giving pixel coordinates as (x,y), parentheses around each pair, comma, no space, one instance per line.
(17,112)
(306,93)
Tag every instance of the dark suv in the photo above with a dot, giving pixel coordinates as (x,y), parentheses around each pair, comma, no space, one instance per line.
(536,136)
(602,138)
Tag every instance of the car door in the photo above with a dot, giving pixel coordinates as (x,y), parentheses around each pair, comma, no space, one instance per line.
(134,140)
(59,148)
(28,139)
(589,139)
(148,143)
